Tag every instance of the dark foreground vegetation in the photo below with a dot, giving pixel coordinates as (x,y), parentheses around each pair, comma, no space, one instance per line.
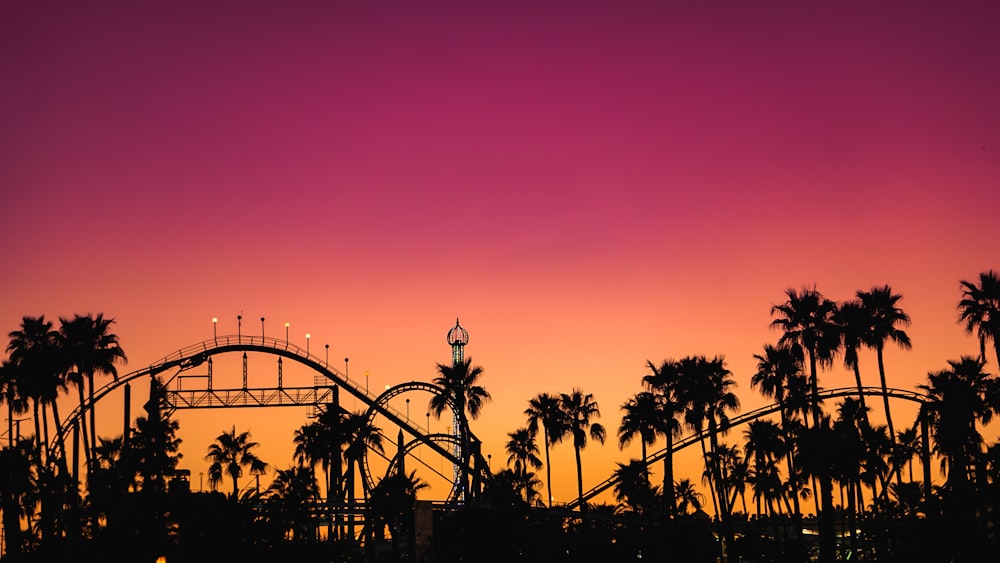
(804,483)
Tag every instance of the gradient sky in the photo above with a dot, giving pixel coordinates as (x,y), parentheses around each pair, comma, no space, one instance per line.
(587,185)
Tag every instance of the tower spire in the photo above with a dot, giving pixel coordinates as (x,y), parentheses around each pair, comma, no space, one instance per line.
(458,337)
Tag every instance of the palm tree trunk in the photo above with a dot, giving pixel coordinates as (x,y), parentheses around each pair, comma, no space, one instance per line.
(579,479)
(888,414)
(83,423)
(669,494)
(93,416)
(548,465)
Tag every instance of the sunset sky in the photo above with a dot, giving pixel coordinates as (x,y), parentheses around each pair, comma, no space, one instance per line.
(586,185)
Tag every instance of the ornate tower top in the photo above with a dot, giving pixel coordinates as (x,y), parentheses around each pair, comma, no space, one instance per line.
(458,337)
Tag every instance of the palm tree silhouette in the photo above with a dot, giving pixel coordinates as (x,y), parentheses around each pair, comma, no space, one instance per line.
(580,408)
(886,319)
(290,496)
(979,309)
(460,382)
(807,320)
(522,451)
(33,357)
(642,419)
(229,454)
(92,349)
(958,399)
(662,382)
(544,410)
(705,391)
(361,435)
(779,369)
(855,323)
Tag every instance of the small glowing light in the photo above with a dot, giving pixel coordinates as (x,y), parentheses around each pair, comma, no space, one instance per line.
(288,325)
(215,319)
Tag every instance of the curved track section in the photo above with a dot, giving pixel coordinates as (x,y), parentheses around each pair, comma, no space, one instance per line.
(196,354)
(746,418)
(380,405)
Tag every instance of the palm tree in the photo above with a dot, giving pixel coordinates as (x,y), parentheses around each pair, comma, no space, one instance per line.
(886,319)
(580,408)
(764,444)
(705,391)
(522,451)
(392,505)
(855,329)
(290,495)
(807,320)
(688,495)
(229,454)
(662,381)
(779,369)
(633,489)
(957,401)
(361,435)
(544,410)
(642,418)
(92,349)
(460,385)
(979,309)
(33,357)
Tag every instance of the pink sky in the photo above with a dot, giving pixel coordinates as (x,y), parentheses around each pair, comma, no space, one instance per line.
(588,186)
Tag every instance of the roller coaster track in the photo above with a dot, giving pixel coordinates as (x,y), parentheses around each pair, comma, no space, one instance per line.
(743,419)
(196,354)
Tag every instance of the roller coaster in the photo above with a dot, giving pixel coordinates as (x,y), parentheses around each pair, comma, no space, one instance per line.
(173,370)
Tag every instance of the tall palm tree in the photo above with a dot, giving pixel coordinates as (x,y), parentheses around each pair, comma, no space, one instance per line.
(92,349)
(807,320)
(642,419)
(580,409)
(957,401)
(779,369)
(230,453)
(662,381)
(886,318)
(764,443)
(361,436)
(522,451)
(706,392)
(460,383)
(855,329)
(545,411)
(979,310)
(34,358)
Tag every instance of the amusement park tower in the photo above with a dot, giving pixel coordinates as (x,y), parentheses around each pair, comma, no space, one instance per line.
(458,337)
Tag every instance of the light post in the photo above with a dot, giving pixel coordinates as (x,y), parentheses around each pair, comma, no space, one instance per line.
(366,382)
(428,423)
(262,330)
(286,331)
(347,369)
(201,481)
(215,325)
(407,410)
(308,336)
(239,327)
